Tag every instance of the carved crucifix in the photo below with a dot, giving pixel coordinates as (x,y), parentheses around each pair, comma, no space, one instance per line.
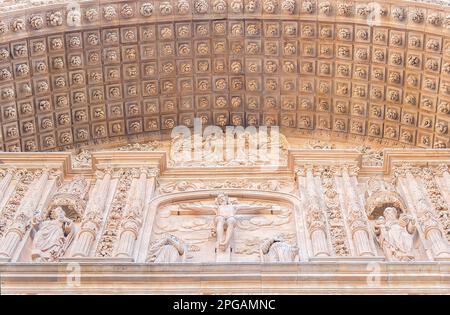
(226,210)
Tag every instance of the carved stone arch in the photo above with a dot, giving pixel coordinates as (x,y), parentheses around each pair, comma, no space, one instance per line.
(71,197)
(72,205)
(303,242)
(380,200)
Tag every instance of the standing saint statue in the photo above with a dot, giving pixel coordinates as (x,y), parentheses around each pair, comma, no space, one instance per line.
(181,148)
(168,249)
(53,236)
(213,148)
(225,210)
(395,236)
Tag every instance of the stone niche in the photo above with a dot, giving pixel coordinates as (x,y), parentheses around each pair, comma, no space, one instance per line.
(213,226)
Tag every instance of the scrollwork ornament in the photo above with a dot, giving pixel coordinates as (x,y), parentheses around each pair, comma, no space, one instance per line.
(127,11)
(55,18)
(417,16)
(288,6)
(237,6)
(308,6)
(165,8)
(146,9)
(219,6)
(270,6)
(398,14)
(91,15)
(109,13)
(344,9)
(18,25)
(3,28)
(446,22)
(201,6)
(183,7)
(325,8)
(36,22)
(435,19)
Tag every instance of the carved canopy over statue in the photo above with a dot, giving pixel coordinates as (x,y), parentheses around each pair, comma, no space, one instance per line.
(381,195)
(71,197)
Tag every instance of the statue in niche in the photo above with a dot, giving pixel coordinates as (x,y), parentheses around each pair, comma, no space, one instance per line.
(71,197)
(53,236)
(277,250)
(395,235)
(225,210)
(213,147)
(168,249)
(181,148)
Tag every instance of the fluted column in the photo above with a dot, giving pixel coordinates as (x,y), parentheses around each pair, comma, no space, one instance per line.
(428,223)
(94,215)
(15,233)
(133,215)
(6,180)
(356,216)
(316,221)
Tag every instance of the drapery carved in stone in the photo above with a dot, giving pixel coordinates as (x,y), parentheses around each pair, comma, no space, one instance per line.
(395,233)
(54,233)
(276,249)
(167,249)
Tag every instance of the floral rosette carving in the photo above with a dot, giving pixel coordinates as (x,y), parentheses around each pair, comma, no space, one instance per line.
(219,6)
(201,6)
(270,6)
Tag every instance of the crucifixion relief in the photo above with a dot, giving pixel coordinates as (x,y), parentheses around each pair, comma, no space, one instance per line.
(226,213)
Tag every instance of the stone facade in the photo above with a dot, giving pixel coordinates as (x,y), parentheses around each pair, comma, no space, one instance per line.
(136,206)
(100,193)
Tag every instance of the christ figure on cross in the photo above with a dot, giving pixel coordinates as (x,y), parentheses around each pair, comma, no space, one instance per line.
(225,210)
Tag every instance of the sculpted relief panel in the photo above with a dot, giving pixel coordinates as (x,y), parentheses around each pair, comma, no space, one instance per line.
(323,210)
(225,229)
(54,234)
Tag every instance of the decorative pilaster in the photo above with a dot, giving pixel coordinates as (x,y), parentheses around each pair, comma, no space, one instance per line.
(94,215)
(429,226)
(134,210)
(356,217)
(25,212)
(437,199)
(338,232)
(315,218)
(106,244)
(24,180)
(6,180)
